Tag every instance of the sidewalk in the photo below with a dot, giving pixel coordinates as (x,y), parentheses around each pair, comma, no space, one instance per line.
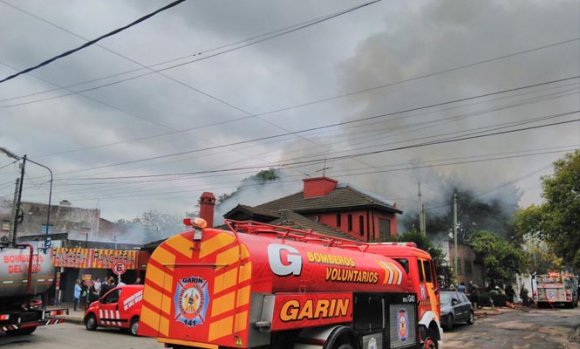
(76,317)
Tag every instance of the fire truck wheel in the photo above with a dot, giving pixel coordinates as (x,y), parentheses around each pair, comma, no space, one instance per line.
(430,343)
(134,326)
(471,318)
(345,346)
(91,322)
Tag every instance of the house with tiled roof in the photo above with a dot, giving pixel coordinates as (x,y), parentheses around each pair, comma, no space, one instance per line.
(329,207)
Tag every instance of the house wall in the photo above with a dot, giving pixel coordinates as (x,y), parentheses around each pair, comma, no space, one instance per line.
(370,220)
(468,269)
(79,223)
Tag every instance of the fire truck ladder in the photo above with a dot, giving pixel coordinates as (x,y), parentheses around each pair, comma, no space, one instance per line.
(287,233)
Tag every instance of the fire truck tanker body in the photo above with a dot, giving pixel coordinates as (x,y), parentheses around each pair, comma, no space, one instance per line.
(24,275)
(259,285)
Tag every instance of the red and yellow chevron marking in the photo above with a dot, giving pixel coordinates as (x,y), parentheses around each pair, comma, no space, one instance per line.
(230,305)
(393,275)
(224,263)
(156,309)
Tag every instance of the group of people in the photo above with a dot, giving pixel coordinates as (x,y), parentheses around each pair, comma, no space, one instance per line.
(472,292)
(88,291)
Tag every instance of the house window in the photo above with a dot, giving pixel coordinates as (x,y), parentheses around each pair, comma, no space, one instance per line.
(468,268)
(361,225)
(338,219)
(5,226)
(349,222)
(384,229)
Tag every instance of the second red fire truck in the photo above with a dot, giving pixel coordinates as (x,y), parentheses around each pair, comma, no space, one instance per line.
(263,286)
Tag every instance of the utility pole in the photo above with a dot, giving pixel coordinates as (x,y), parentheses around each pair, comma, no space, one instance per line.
(17,200)
(421,212)
(455,233)
(14,220)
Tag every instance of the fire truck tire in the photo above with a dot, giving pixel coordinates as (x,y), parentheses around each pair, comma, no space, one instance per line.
(430,342)
(134,326)
(345,346)
(91,322)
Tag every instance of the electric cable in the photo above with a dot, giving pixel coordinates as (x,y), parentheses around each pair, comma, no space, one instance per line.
(92,42)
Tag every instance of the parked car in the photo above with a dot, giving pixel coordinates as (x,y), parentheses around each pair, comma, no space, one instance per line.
(118,308)
(455,308)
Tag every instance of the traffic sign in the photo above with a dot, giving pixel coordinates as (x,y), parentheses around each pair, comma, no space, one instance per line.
(119,268)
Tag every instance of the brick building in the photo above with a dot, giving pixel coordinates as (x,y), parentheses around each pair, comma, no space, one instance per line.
(329,207)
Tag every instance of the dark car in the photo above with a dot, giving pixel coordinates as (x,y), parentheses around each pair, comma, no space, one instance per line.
(455,308)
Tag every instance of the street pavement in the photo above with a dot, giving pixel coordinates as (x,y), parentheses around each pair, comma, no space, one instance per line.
(518,328)
(503,328)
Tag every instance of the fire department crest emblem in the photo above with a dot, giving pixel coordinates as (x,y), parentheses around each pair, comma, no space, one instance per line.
(191,300)
(403,324)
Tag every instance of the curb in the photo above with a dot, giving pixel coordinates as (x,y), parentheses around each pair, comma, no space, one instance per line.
(74,320)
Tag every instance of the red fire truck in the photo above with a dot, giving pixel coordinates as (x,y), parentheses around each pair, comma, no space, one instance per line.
(556,288)
(259,285)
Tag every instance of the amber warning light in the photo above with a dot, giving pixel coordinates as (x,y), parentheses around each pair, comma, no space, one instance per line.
(198,224)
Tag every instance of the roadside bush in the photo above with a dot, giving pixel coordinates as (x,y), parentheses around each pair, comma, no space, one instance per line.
(499,300)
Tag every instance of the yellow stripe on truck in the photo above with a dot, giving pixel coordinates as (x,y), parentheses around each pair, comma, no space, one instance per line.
(225,280)
(228,256)
(152,296)
(221,328)
(149,317)
(181,245)
(159,277)
(215,243)
(224,303)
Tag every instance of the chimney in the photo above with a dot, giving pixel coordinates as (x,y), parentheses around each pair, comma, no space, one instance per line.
(206,207)
(320,186)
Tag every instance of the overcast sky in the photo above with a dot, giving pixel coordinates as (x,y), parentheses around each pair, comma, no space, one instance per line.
(231,99)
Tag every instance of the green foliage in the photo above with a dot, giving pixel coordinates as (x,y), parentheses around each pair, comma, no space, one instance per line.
(422,243)
(557,220)
(500,259)
(260,178)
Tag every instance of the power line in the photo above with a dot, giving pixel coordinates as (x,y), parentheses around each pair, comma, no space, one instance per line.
(342,157)
(92,42)
(329,125)
(406,168)
(153,71)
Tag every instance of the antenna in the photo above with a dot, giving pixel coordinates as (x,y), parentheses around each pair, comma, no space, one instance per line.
(323,169)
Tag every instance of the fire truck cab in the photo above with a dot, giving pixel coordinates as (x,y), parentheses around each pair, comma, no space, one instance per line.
(423,279)
(263,286)
(118,308)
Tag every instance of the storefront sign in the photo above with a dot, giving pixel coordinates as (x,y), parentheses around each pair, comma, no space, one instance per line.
(92,258)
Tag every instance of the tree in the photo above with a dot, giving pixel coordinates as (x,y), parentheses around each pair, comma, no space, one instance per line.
(500,259)
(557,220)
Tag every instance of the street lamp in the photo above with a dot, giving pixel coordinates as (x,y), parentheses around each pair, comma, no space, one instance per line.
(17,208)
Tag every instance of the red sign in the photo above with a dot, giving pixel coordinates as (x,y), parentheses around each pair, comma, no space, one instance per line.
(308,310)
(119,268)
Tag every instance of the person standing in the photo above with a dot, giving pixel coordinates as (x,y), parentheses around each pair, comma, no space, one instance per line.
(473,293)
(461,287)
(77,294)
(98,285)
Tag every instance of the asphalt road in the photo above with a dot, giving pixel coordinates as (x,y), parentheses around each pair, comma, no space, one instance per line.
(74,336)
(519,329)
(514,329)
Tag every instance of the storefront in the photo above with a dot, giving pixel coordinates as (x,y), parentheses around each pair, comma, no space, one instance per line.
(91,263)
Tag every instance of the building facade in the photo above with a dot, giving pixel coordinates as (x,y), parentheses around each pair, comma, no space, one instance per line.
(329,207)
